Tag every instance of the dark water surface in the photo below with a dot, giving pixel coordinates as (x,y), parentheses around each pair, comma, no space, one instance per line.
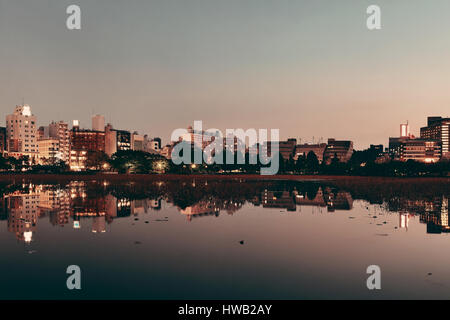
(202,239)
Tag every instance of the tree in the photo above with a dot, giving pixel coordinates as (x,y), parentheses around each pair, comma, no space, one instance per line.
(300,164)
(96,160)
(312,163)
(4,163)
(131,161)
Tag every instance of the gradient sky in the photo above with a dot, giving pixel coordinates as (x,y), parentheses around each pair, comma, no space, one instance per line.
(310,68)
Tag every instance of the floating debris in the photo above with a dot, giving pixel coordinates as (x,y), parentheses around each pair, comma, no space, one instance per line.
(241,242)
(146,222)
(382,234)
(137,242)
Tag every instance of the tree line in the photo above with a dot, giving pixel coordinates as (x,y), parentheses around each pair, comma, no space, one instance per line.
(362,163)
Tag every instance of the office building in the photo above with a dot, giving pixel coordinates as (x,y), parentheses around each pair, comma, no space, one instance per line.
(438,129)
(339,149)
(428,151)
(285,148)
(116,140)
(302,150)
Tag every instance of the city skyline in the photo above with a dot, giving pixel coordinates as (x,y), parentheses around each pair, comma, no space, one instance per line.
(314,140)
(310,69)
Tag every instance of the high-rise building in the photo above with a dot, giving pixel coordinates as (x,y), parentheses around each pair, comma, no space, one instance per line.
(98,122)
(60,131)
(21,133)
(116,140)
(81,142)
(2,140)
(438,128)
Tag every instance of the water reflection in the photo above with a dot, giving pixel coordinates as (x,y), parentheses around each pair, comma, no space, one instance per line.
(98,204)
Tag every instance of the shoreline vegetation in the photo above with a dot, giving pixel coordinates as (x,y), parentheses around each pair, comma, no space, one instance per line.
(142,164)
(70,176)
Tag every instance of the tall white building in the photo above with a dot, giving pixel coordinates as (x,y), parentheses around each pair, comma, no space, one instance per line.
(98,123)
(21,133)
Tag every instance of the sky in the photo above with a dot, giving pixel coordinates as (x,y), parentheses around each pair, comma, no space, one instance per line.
(310,68)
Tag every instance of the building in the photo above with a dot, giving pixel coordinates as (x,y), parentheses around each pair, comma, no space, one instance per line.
(2,140)
(138,142)
(286,148)
(302,150)
(49,151)
(340,149)
(155,144)
(377,149)
(116,140)
(60,131)
(42,133)
(404,130)
(81,142)
(195,137)
(98,122)
(395,146)
(438,129)
(421,150)
(166,151)
(21,133)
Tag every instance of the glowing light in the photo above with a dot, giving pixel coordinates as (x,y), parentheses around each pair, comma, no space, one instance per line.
(26,111)
(28,236)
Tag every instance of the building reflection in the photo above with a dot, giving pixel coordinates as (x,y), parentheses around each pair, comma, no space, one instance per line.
(94,206)
(23,214)
(435,216)
(317,197)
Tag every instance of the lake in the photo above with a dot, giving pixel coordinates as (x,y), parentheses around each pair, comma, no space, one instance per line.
(199,238)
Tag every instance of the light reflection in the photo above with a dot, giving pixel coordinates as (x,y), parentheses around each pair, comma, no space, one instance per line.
(98,204)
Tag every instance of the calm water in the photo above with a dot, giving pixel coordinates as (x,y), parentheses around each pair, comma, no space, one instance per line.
(224,240)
